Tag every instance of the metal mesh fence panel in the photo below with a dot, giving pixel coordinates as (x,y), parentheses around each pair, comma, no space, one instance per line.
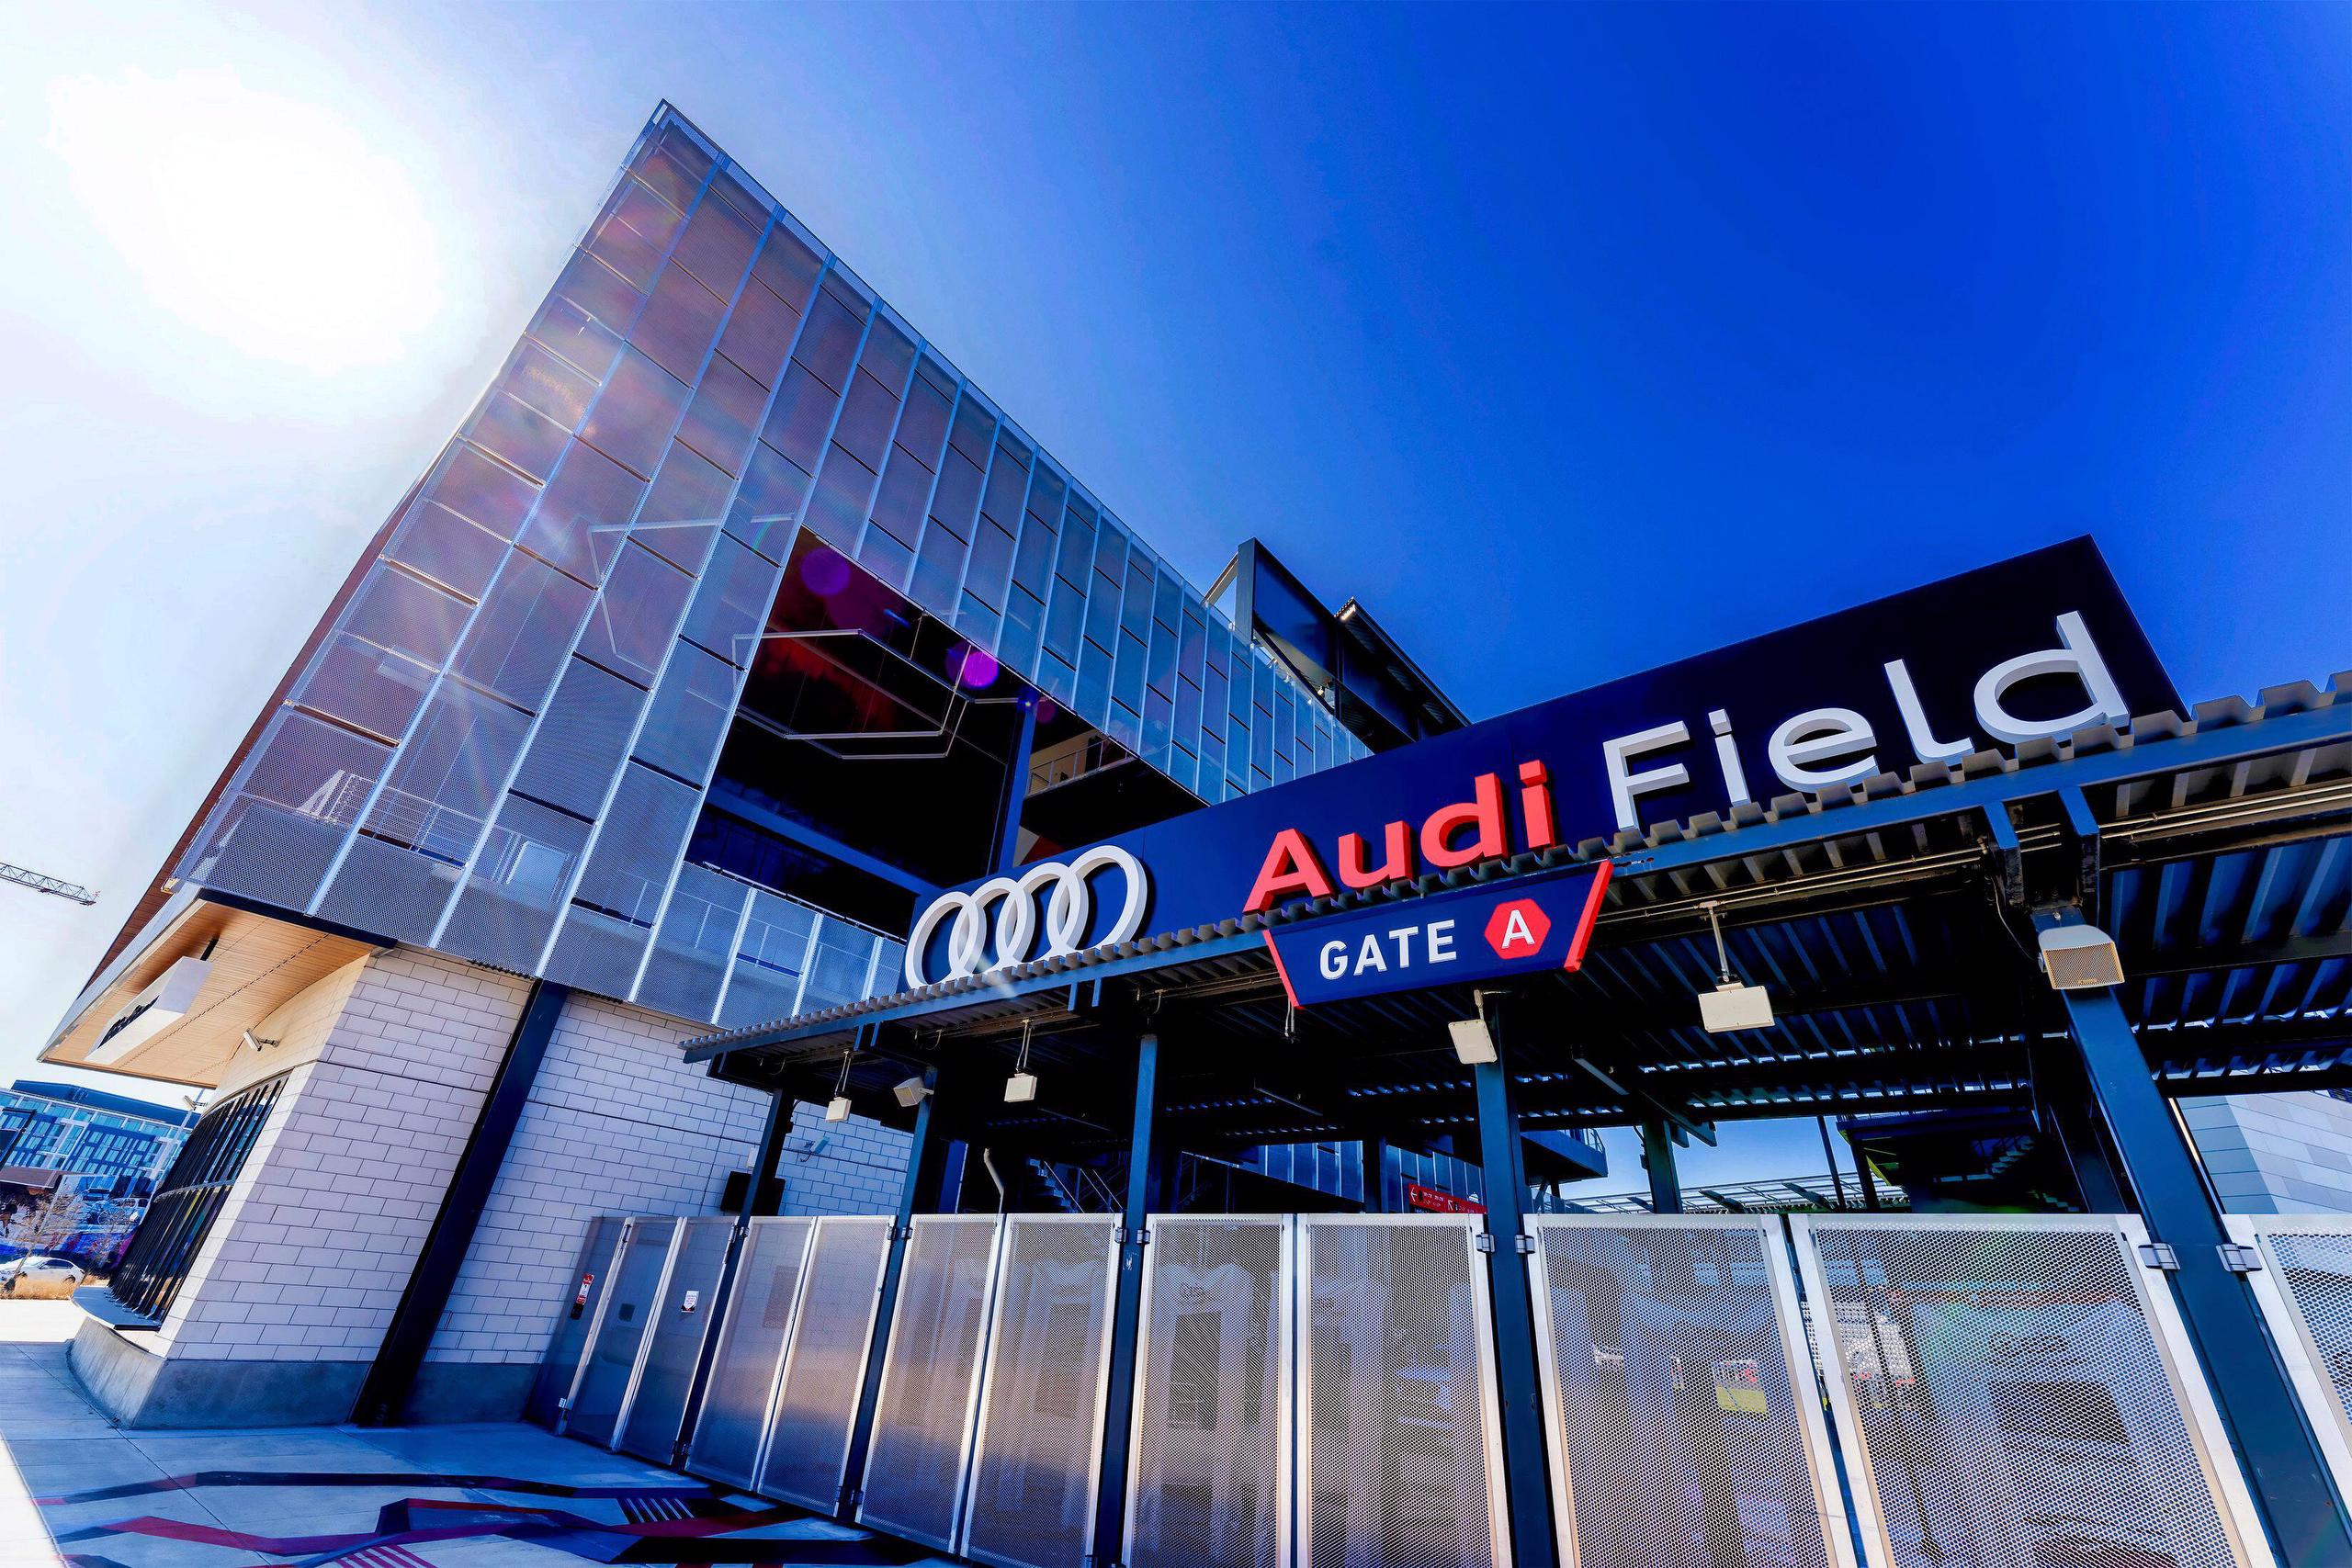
(808,1437)
(659,1406)
(620,1331)
(751,1350)
(1033,1491)
(584,1296)
(915,1468)
(1207,1479)
(1398,1457)
(2012,1402)
(2306,1292)
(1677,1433)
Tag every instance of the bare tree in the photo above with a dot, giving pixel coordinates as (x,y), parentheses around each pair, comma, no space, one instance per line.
(48,1222)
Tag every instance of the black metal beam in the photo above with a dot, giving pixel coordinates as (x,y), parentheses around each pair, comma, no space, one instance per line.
(385,1393)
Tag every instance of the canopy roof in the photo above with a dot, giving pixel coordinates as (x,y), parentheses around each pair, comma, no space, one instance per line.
(1888,921)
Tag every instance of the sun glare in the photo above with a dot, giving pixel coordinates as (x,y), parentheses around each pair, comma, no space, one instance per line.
(261,220)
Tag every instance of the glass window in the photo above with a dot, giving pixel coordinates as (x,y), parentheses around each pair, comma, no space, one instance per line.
(1192,641)
(1103,614)
(362,686)
(679,322)
(889,560)
(1008,482)
(759,335)
(690,710)
(1017,645)
(772,953)
(923,428)
(957,500)
(1110,551)
(483,491)
(1033,559)
(1093,683)
(973,430)
(718,245)
(1161,672)
(829,342)
(978,622)
(767,505)
(889,356)
(524,629)
(937,583)
(396,611)
(898,504)
(1135,612)
(787,267)
(581,739)
(632,421)
(1127,680)
(448,774)
(992,564)
(631,623)
(585,513)
(837,507)
(725,411)
(866,418)
(802,413)
(1064,615)
(1188,713)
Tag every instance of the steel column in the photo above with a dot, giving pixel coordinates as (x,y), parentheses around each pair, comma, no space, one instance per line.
(2282,1463)
(1658,1158)
(1376,1192)
(1144,1169)
(1016,790)
(401,1355)
(1519,1387)
(924,1156)
(764,1193)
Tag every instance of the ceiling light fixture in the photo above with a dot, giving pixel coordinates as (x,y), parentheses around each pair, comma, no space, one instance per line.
(1731,1005)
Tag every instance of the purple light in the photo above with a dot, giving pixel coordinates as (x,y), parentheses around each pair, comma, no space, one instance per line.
(972,668)
(825,572)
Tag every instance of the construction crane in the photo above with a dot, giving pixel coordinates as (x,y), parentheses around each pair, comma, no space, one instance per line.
(48,885)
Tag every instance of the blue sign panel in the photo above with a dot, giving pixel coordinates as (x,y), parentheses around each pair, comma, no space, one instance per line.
(2036,646)
(1479,933)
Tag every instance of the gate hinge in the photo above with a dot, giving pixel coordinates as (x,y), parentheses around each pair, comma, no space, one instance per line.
(1484,1241)
(1122,1235)
(903,1232)
(2160,1255)
(563,1405)
(2240,1260)
(853,1498)
(1524,1243)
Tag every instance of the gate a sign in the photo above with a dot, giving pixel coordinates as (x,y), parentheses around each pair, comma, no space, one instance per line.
(1476,933)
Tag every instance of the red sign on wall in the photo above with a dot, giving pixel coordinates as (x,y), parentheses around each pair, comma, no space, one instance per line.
(1431,1201)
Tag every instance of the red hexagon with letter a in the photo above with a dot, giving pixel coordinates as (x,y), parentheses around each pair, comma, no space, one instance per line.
(1517,929)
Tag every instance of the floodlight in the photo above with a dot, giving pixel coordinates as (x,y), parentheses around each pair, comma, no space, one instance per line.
(2080,958)
(1020,1088)
(1473,1042)
(1731,1005)
(911,1092)
(837,1108)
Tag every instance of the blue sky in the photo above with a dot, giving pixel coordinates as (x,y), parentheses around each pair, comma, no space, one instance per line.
(1571,340)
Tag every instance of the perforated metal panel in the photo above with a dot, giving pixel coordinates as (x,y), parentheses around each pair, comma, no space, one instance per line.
(2017,1390)
(560,1365)
(608,1368)
(923,1424)
(1399,1458)
(1036,1464)
(1209,1479)
(817,1400)
(1676,1436)
(760,1310)
(2305,1289)
(652,1415)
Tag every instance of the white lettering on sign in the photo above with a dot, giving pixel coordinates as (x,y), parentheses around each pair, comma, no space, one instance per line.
(1431,941)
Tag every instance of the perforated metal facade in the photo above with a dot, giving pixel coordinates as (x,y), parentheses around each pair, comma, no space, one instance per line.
(817,1400)
(657,1401)
(922,1425)
(761,1307)
(2303,1284)
(608,1366)
(1032,1483)
(2017,1390)
(499,746)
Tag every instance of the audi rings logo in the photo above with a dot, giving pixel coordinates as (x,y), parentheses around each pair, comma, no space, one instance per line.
(1069,913)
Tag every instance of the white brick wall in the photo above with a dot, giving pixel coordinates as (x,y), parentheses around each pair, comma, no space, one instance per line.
(617,1123)
(855,1167)
(389,1060)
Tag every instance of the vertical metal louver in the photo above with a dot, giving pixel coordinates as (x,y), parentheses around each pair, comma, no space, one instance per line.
(584,1297)
(610,1365)
(760,1311)
(824,1371)
(2304,1288)
(1679,1438)
(193,1193)
(923,1424)
(2017,1390)
(657,1406)
(1208,1483)
(1035,1464)
(1399,1456)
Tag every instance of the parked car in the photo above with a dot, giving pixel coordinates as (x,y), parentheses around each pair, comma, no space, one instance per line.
(38,1269)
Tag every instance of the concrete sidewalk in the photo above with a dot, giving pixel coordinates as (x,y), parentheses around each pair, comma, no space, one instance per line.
(75,1489)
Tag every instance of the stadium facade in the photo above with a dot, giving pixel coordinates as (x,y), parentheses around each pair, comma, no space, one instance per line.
(743,713)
